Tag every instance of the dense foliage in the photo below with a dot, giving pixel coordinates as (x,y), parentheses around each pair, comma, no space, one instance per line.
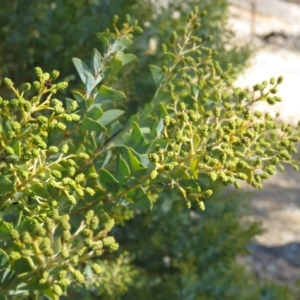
(78,181)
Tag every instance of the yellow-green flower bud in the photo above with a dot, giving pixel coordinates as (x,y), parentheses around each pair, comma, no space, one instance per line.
(90,191)
(57,290)
(61,85)
(66,235)
(280,79)
(61,126)
(213,176)
(14,234)
(207,193)
(56,174)
(14,255)
(109,224)
(84,155)
(79,276)
(8,82)
(201,205)
(96,268)
(74,259)
(36,85)
(81,251)
(38,72)
(53,149)
(54,74)
(94,222)
(26,252)
(79,178)
(72,200)
(26,87)
(64,148)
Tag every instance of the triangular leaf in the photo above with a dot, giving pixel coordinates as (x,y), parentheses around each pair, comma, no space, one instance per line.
(120,44)
(110,116)
(126,58)
(94,112)
(106,94)
(123,170)
(22,266)
(4,260)
(179,173)
(115,66)
(196,141)
(39,191)
(6,277)
(157,74)
(110,182)
(194,167)
(96,63)
(163,96)
(133,163)
(141,200)
(82,69)
(137,140)
(91,125)
(5,227)
(6,184)
(169,57)
(106,37)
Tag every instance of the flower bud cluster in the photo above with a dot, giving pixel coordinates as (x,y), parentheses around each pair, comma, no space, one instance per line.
(210,131)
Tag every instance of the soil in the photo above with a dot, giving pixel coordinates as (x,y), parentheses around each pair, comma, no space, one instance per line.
(274,28)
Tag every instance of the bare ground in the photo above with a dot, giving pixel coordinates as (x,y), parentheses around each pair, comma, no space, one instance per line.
(274,27)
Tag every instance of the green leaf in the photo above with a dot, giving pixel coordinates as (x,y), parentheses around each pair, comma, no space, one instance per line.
(49,294)
(6,185)
(17,147)
(160,110)
(249,174)
(169,57)
(163,96)
(94,112)
(115,67)
(137,140)
(6,277)
(196,141)
(141,200)
(126,58)
(194,167)
(157,74)
(179,173)
(22,266)
(5,227)
(96,63)
(4,260)
(91,83)
(120,44)
(56,166)
(106,94)
(107,159)
(91,125)
(123,170)
(159,127)
(39,190)
(110,182)
(133,163)
(82,69)
(144,160)
(110,115)
(79,97)
(106,37)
